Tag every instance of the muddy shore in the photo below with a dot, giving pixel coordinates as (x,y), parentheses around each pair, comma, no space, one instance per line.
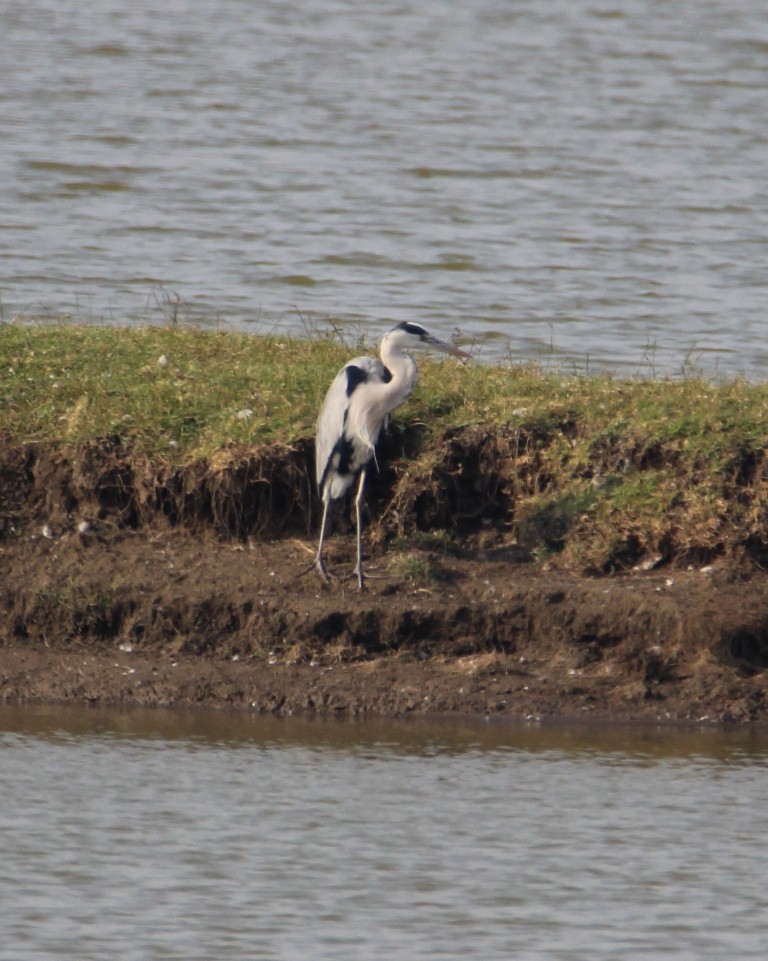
(107,597)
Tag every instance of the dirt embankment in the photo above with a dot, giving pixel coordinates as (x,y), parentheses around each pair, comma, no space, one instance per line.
(124,582)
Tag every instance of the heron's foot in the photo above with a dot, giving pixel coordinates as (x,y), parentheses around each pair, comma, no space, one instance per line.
(355,576)
(370,574)
(322,570)
(318,564)
(362,578)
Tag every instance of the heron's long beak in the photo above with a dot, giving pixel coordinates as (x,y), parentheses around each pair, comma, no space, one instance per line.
(447,348)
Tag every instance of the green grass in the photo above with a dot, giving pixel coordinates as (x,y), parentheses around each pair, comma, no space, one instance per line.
(418,569)
(182,393)
(161,385)
(597,452)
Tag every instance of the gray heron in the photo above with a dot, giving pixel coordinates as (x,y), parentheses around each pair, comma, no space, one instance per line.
(358,405)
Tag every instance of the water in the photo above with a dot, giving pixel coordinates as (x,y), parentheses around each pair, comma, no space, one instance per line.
(578,181)
(161,835)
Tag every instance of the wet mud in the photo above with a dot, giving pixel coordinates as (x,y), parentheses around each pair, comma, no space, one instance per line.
(125,582)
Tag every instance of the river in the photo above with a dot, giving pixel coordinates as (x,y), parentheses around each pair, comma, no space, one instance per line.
(579,182)
(195,836)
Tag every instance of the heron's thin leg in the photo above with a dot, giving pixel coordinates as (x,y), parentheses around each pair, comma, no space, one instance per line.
(358,504)
(319,560)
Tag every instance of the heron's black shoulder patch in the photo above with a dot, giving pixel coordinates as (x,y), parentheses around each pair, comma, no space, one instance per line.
(387,375)
(355,377)
(416,330)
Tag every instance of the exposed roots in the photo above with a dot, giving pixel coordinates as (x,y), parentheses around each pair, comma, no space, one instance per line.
(616,503)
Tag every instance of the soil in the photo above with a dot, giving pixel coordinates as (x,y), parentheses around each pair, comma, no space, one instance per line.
(107,596)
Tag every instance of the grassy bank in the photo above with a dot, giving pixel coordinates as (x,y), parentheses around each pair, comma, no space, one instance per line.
(591,468)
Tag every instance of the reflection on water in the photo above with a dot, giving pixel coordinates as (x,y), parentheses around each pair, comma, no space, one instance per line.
(417,736)
(576,181)
(196,835)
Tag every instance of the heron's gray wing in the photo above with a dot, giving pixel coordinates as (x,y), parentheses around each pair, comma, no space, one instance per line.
(333,413)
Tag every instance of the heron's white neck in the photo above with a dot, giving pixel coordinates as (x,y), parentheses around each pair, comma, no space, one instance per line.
(404,372)
(372,402)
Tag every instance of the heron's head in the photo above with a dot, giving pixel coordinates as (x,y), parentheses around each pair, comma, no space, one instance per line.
(408,336)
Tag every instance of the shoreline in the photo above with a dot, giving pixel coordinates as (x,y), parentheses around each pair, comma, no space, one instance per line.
(174,618)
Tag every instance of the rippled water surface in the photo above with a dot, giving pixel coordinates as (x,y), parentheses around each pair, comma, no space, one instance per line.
(154,835)
(578,180)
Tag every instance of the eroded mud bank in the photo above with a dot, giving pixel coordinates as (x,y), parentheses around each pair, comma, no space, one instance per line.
(125,581)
